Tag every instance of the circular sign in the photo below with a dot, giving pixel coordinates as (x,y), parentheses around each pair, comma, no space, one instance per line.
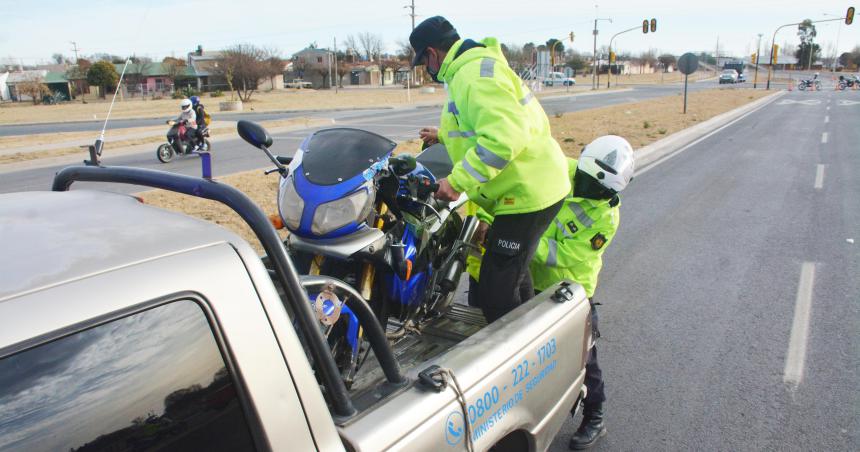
(688,63)
(454,428)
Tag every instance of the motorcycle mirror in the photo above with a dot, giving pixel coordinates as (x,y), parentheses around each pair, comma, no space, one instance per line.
(257,136)
(254,134)
(402,165)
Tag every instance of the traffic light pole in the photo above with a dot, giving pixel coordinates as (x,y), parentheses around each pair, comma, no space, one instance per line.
(773,41)
(608,76)
(757,58)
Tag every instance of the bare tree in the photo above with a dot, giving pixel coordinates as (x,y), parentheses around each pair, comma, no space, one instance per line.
(34,87)
(351,45)
(343,69)
(386,63)
(247,64)
(274,65)
(404,50)
(371,44)
(174,67)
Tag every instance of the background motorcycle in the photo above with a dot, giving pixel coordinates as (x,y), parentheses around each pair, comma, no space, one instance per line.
(847,82)
(178,142)
(359,214)
(803,84)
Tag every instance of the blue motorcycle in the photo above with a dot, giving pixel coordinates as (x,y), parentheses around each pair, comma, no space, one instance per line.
(359,214)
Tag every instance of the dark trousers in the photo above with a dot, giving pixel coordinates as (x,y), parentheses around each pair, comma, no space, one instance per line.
(593,374)
(505,281)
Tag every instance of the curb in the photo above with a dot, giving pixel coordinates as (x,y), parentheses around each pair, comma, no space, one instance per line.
(647,155)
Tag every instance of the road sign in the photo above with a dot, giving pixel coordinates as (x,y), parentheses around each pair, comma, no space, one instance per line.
(688,63)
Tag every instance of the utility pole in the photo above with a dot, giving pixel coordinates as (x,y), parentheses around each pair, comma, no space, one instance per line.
(596,66)
(757,58)
(412,72)
(336,74)
(412,13)
(75,49)
(717,56)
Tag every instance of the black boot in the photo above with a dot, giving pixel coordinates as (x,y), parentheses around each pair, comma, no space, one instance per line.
(590,430)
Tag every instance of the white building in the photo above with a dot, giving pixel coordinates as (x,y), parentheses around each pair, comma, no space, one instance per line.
(4,90)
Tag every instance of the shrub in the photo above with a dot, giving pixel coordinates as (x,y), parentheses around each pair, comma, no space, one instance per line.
(189,91)
(662,131)
(569,140)
(646,125)
(217,93)
(178,95)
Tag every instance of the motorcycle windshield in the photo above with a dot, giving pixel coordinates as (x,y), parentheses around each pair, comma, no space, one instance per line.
(332,156)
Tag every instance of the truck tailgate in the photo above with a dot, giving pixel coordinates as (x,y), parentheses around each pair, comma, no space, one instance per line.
(522,373)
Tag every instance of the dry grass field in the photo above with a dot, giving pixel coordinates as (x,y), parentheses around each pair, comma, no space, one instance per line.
(641,123)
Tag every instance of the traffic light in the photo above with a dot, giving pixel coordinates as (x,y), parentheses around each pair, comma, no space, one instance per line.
(653,25)
(849,16)
(775,53)
(645,26)
(571,37)
(611,57)
(752,58)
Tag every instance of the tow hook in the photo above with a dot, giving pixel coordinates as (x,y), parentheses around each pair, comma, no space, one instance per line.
(433,379)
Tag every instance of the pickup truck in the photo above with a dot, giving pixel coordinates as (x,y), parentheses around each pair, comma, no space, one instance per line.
(127,327)
(298,83)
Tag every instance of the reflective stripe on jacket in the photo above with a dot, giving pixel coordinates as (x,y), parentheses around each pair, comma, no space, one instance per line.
(498,135)
(572,248)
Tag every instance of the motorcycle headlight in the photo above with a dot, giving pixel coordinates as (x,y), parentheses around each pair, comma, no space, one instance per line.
(337,214)
(290,204)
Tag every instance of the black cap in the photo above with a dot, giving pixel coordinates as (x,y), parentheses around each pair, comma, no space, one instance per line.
(432,31)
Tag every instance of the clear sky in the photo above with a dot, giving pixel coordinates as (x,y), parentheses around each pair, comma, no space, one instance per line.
(33,30)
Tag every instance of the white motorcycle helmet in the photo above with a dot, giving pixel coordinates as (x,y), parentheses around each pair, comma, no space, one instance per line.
(609,160)
(185,104)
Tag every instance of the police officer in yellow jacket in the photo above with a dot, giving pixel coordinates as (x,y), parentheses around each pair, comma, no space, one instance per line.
(505,158)
(573,245)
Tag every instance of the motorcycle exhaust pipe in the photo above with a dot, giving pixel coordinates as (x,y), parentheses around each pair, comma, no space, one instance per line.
(455,268)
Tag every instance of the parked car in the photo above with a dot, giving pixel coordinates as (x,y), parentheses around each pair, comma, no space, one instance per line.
(729,76)
(129,338)
(298,84)
(558,78)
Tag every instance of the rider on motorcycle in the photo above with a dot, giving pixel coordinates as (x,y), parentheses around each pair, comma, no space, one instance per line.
(187,117)
(200,116)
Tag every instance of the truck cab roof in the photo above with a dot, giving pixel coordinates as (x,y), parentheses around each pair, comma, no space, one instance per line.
(56,237)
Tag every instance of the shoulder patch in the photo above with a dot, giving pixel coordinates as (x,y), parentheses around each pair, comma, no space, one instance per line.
(598,241)
(572,226)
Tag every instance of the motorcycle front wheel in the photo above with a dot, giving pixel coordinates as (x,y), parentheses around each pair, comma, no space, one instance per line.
(164,153)
(818,86)
(801,86)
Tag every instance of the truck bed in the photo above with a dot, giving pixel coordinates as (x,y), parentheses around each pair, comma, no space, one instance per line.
(437,337)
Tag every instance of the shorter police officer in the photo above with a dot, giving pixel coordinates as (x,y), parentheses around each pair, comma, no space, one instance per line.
(573,246)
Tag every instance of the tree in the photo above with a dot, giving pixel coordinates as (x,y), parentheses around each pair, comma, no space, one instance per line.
(59,58)
(806,52)
(404,51)
(371,44)
(666,60)
(174,68)
(343,68)
(351,45)
(647,58)
(274,66)
(386,63)
(34,87)
(103,75)
(576,61)
(247,65)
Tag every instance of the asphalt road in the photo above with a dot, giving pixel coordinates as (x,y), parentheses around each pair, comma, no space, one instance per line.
(234,155)
(730,313)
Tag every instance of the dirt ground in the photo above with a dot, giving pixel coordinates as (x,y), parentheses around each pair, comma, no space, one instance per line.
(289,99)
(641,123)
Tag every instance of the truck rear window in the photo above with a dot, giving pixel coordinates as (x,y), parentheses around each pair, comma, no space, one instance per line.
(152,380)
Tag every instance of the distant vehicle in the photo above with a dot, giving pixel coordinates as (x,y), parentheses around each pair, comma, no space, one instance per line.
(298,84)
(741,78)
(729,76)
(558,78)
(737,66)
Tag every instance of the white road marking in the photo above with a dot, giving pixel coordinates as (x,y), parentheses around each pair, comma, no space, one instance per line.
(795,358)
(826,119)
(824,137)
(819,177)
(828,108)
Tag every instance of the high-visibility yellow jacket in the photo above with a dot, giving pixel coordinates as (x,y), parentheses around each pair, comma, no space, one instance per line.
(498,135)
(572,248)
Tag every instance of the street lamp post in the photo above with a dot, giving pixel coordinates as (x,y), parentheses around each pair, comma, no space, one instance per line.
(608,78)
(595,65)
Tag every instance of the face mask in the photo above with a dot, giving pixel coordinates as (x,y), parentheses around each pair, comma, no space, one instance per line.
(433,74)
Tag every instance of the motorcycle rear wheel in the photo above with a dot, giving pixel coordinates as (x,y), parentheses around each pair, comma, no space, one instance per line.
(164,153)
(801,86)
